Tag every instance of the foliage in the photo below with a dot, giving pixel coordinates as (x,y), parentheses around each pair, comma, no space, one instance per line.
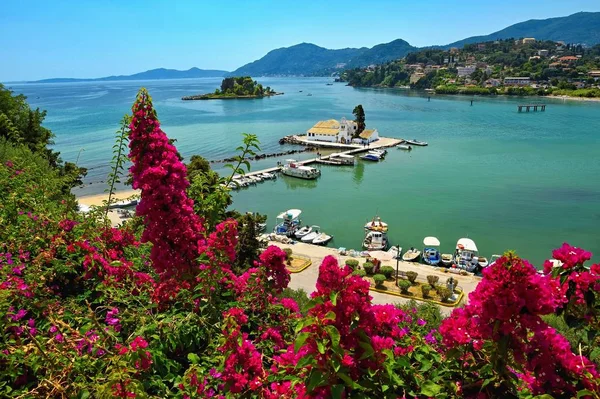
(299,296)
(247,247)
(368,267)
(425,289)
(118,160)
(404,285)
(379,279)
(433,280)
(426,311)
(359,115)
(352,263)
(288,252)
(357,272)
(387,271)
(412,276)
(444,293)
(242,86)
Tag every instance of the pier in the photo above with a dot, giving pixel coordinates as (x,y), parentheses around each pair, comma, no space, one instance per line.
(351,149)
(535,107)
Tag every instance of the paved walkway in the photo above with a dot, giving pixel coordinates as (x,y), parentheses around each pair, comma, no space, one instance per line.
(307,279)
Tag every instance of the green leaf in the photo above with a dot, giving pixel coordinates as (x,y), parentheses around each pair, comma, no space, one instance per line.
(344,377)
(329,316)
(321,347)
(334,334)
(302,337)
(336,391)
(193,358)
(584,392)
(84,395)
(333,297)
(368,350)
(429,388)
(316,379)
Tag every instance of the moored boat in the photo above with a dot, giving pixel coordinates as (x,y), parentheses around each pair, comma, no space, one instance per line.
(412,255)
(344,159)
(376,225)
(381,153)
(288,222)
(405,147)
(465,256)
(431,254)
(269,176)
(303,172)
(395,252)
(375,241)
(416,142)
(315,231)
(447,259)
(493,259)
(371,157)
(303,231)
(123,204)
(321,239)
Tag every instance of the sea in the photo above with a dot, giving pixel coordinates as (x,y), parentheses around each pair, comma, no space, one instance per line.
(510,181)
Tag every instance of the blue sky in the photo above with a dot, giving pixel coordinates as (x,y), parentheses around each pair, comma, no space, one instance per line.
(92,38)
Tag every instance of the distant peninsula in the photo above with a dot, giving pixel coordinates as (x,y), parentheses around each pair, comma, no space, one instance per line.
(236,87)
(160,73)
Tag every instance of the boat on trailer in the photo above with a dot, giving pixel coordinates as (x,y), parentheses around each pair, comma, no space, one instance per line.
(431,253)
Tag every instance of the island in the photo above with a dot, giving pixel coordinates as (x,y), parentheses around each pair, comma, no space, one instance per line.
(236,87)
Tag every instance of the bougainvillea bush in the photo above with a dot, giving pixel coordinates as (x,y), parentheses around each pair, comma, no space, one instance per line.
(153,309)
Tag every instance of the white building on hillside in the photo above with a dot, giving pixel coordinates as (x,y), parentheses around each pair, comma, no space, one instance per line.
(517,81)
(332,131)
(465,71)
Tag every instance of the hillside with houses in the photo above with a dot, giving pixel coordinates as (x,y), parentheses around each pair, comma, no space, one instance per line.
(524,66)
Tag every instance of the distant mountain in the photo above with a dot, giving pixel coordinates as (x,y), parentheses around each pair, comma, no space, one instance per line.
(579,28)
(160,73)
(302,59)
(308,59)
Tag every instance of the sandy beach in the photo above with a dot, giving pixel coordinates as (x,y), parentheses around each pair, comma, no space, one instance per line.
(97,199)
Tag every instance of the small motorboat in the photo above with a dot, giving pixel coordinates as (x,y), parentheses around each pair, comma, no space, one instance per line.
(268,176)
(431,254)
(412,255)
(381,153)
(375,241)
(371,157)
(123,204)
(255,178)
(303,231)
(482,261)
(416,142)
(260,227)
(315,231)
(322,239)
(447,260)
(376,225)
(404,147)
(395,252)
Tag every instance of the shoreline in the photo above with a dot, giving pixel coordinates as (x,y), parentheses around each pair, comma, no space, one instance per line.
(220,97)
(98,199)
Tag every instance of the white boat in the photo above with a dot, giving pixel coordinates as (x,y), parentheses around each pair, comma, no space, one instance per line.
(288,222)
(255,178)
(412,255)
(466,255)
(381,153)
(482,262)
(416,142)
(300,171)
(345,159)
(447,259)
(395,252)
(322,239)
(493,259)
(269,176)
(123,204)
(404,147)
(316,230)
(375,241)
(303,231)
(376,225)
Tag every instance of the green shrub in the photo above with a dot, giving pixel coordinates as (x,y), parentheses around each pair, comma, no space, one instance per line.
(368,266)
(387,271)
(379,280)
(425,290)
(360,273)
(404,285)
(427,311)
(432,280)
(412,276)
(444,293)
(288,252)
(352,263)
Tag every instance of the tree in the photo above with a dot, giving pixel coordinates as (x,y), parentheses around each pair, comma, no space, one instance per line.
(359,114)
(247,247)
(198,164)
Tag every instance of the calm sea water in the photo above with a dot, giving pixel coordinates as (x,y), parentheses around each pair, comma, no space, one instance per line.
(526,182)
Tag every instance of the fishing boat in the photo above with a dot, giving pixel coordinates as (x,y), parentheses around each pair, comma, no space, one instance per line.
(303,231)
(405,147)
(344,159)
(465,256)
(315,231)
(288,222)
(416,142)
(376,225)
(412,255)
(322,239)
(303,172)
(371,157)
(447,259)
(375,241)
(431,254)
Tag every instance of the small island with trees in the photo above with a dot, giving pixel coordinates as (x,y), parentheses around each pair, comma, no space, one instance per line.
(236,87)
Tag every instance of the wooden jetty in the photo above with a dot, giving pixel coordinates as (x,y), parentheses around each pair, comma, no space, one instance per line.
(528,107)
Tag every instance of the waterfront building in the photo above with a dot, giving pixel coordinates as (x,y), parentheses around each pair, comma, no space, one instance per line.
(367,136)
(332,131)
(594,74)
(517,81)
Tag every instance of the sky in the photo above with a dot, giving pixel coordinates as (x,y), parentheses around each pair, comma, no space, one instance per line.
(91,38)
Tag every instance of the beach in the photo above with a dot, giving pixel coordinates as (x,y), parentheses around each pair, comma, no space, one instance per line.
(98,199)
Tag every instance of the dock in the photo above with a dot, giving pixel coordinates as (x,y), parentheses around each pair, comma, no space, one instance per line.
(351,149)
(528,107)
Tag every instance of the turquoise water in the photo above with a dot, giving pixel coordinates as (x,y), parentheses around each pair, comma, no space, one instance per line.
(507,180)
